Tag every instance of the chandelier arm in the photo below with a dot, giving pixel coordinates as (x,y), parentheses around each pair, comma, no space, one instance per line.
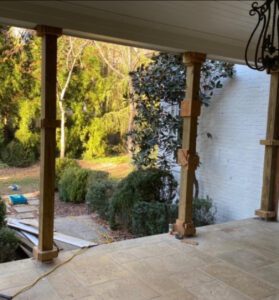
(265,37)
(277,49)
(262,37)
(248,46)
(274,20)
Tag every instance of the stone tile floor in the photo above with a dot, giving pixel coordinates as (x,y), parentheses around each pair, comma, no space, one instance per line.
(232,261)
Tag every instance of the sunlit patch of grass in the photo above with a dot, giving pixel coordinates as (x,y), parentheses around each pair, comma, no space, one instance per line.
(112,159)
(27,184)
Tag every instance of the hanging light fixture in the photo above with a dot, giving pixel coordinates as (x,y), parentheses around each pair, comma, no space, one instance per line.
(264,40)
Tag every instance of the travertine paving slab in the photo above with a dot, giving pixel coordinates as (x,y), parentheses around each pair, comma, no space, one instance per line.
(274,297)
(216,291)
(42,291)
(245,259)
(178,295)
(192,278)
(124,289)
(243,267)
(242,281)
(269,273)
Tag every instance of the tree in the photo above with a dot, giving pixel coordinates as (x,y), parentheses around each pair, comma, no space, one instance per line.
(122,60)
(69,56)
(159,88)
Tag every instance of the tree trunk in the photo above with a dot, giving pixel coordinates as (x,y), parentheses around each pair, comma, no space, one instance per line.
(197,188)
(62,137)
(132,113)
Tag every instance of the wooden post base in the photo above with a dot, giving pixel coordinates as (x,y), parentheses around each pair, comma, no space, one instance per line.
(45,255)
(267,215)
(184,229)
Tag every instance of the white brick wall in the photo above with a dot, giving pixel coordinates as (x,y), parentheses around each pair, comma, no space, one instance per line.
(232,160)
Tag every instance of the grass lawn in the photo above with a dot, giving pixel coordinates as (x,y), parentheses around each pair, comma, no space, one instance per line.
(118,166)
(28,178)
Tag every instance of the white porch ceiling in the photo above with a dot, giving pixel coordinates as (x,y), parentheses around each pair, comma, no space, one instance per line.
(218,28)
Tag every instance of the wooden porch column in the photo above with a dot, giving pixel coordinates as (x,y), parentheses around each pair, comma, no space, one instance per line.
(270,187)
(187,156)
(46,250)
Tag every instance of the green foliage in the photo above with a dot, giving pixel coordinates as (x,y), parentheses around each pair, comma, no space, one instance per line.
(92,81)
(61,164)
(8,241)
(19,77)
(16,154)
(27,133)
(72,186)
(203,211)
(2,213)
(149,218)
(97,175)
(99,195)
(106,134)
(159,88)
(96,110)
(150,185)
(8,245)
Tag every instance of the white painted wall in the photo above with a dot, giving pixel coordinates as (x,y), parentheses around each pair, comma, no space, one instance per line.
(232,160)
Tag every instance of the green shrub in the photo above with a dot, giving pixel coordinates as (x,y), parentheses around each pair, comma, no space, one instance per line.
(8,245)
(150,218)
(96,176)
(73,185)
(16,154)
(2,213)
(61,164)
(98,196)
(149,185)
(203,211)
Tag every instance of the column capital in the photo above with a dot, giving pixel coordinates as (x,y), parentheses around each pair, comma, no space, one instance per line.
(43,30)
(190,58)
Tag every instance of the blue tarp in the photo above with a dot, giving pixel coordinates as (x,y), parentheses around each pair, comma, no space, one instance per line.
(18,199)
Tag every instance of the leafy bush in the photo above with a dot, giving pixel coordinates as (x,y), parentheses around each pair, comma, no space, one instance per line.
(149,185)
(28,133)
(2,213)
(8,245)
(162,80)
(150,218)
(61,164)
(98,196)
(73,185)
(16,154)
(96,176)
(203,211)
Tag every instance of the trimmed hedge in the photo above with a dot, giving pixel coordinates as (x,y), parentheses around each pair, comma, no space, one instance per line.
(75,181)
(203,211)
(150,218)
(99,195)
(2,213)
(8,245)
(72,186)
(61,164)
(149,185)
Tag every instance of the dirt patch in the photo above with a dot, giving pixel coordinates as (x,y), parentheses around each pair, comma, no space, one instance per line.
(19,173)
(112,235)
(64,209)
